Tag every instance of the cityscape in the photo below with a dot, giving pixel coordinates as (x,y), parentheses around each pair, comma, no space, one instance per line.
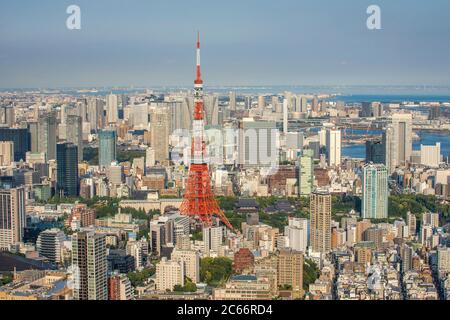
(295,192)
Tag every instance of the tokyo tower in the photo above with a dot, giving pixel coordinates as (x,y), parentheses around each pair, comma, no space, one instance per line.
(199,200)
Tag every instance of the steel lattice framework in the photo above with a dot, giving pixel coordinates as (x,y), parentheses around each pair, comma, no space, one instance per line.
(199,200)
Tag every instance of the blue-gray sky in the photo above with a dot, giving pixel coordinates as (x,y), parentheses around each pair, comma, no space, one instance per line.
(244,42)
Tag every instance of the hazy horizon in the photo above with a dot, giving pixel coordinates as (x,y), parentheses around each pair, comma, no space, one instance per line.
(253,43)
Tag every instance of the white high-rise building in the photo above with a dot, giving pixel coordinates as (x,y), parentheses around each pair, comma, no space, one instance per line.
(191,263)
(169,274)
(112,108)
(297,234)
(212,238)
(333,144)
(430,155)
(6,153)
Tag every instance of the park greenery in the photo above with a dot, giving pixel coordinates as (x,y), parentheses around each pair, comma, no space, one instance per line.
(215,271)
(189,286)
(90,155)
(6,278)
(310,273)
(138,278)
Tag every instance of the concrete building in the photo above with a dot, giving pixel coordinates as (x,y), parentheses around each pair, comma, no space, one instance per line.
(169,274)
(12,216)
(190,260)
(320,210)
(90,265)
(375,191)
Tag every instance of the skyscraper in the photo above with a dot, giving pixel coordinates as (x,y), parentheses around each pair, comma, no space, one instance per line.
(232,104)
(47,135)
(160,131)
(96,116)
(212,238)
(107,147)
(375,151)
(67,170)
(333,145)
(21,140)
(112,108)
(90,265)
(75,133)
(397,140)
(320,210)
(12,216)
(306,172)
(375,191)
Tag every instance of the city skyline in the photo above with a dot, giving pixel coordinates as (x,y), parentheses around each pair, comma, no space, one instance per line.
(150,44)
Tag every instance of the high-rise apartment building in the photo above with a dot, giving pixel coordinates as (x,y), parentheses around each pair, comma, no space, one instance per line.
(12,216)
(107,150)
(95,113)
(375,191)
(67,170)
(90,265)
(320,210)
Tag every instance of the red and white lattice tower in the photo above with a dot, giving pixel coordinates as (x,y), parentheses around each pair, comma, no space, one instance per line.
(199,200)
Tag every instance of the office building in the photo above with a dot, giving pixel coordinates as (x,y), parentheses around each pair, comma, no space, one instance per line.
(6,153)
(375,151)
(20,139)
(67,170)
(107,151)
(375,191)
(49,244)
(119,287)
(74,134)
(47,135)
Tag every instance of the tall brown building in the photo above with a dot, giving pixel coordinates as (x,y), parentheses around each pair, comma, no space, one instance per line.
(243,259)
(320,210)
(290,269)
(159,134)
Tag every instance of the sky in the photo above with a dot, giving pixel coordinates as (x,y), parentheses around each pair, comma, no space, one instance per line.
(244,42)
